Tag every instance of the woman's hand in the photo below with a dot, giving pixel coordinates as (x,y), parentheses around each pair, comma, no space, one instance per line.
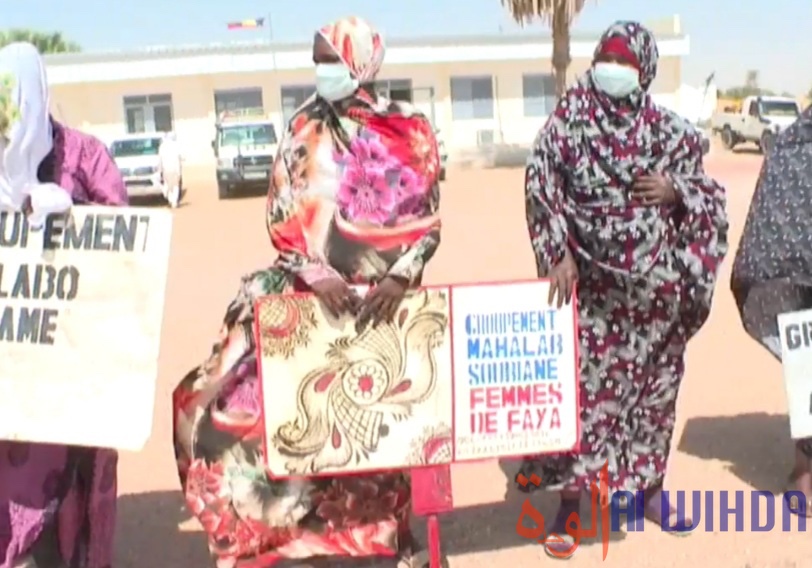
(562,278)
(336,296)
(381,302)
(655,190)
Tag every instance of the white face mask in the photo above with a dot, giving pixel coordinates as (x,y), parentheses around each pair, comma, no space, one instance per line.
(617,81)
(334,81)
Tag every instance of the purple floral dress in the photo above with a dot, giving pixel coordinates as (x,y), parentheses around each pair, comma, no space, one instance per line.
(58,503)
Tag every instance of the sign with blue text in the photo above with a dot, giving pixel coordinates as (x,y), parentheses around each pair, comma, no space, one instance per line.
(515,371)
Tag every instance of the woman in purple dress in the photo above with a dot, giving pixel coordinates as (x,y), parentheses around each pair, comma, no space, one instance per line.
(57,503)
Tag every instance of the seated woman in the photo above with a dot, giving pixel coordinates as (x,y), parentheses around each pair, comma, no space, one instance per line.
(58,502)
(354,200)
(772,272)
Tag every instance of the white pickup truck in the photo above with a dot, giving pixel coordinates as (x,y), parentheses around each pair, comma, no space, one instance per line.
(759,120)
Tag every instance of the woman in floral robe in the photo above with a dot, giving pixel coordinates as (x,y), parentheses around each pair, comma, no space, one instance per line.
(353,200)
(617,199)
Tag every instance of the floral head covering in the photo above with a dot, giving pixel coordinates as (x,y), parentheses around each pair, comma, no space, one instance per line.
(358,44)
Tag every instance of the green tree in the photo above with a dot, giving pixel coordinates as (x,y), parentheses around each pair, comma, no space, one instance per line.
(46,42)
(559,14)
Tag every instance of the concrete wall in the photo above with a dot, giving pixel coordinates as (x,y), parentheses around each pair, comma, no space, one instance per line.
(98,107)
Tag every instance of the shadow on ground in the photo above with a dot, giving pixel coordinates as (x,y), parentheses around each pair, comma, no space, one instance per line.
(754,150)
(148,533)
(756,446)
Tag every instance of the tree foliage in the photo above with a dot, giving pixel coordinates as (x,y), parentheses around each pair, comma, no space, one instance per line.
(558,14)
(46,42)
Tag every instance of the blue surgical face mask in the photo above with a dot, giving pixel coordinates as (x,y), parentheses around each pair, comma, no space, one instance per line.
(617,81)
(334,81)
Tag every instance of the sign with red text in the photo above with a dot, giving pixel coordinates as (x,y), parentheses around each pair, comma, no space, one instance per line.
(468,372)
(515,371)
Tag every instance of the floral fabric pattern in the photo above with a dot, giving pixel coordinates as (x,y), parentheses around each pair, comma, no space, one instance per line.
(646,273)
(354,197)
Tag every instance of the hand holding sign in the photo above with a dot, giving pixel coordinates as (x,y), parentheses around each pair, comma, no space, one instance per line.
(562,280)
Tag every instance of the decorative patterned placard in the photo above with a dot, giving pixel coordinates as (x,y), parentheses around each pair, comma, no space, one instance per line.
(463,373)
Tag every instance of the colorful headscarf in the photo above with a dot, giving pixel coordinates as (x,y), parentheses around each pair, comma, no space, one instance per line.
(28,138)
(358,45)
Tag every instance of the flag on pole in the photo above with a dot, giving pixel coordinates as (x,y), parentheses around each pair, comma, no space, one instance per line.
(247,24)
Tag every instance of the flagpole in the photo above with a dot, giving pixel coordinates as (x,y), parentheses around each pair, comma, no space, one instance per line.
(270,40)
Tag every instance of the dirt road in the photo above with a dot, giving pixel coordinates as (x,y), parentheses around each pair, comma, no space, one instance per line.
(732,432)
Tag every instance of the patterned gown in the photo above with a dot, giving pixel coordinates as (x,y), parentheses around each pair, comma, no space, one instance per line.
(353,197)
(646,273)
(772,273)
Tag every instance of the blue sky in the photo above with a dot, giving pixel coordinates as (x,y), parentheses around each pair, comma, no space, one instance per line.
(727,36)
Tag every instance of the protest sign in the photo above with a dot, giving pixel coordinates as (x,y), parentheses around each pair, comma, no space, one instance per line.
(81,307)
(795,331)
(515,372)
(336,400)
(462,373)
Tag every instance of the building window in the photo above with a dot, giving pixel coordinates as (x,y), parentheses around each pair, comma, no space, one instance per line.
(471,98)
(538,92)
(148,113)
(293,97)
(237,99)
(395,89)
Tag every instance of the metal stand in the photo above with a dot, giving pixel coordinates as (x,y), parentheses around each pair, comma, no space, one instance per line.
(431,495)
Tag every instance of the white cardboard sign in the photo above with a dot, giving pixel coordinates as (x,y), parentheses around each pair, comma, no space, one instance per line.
(81,308)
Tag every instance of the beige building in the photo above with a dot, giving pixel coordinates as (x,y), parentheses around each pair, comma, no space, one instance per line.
(479,91)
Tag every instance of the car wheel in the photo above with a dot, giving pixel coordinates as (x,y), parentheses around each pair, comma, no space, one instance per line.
(767,142)
(223,191)
(728,138)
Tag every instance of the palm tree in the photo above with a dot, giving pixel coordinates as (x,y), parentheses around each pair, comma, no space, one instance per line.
(45,42)
(559,14)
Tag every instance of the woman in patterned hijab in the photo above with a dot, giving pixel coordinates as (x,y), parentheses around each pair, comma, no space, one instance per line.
(617,199)
(353,200)
(772,273)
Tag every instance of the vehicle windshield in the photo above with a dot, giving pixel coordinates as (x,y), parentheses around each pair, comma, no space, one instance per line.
(247,135)
(135,147)
(779,108)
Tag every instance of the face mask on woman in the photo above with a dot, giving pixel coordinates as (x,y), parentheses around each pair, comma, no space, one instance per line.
(616,80)
(334,81)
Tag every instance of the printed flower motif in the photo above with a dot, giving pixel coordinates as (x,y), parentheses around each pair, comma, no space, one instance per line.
(351,502)
(365,381)
(409,183)
(204,485)
(365,195)
(365,149)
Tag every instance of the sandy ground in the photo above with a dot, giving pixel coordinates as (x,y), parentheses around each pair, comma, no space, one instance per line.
(732,432)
